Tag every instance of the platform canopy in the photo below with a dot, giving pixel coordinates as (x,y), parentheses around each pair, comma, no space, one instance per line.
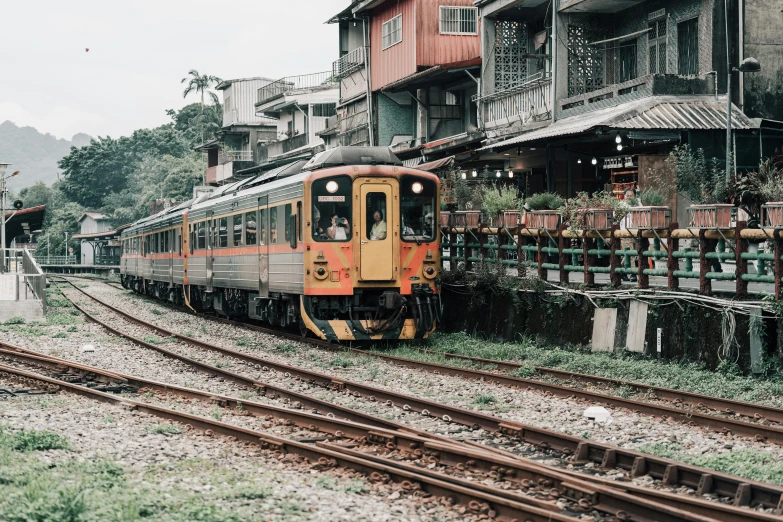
(23,222)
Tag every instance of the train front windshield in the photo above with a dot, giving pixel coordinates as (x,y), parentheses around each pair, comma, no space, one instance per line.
(417,208)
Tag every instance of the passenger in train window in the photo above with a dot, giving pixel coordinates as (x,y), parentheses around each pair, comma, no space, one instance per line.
(339,230)
(378,231)
(318,232)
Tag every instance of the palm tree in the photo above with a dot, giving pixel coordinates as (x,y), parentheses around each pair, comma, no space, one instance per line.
(201,83)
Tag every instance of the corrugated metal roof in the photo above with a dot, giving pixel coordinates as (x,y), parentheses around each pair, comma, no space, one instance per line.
(657,112)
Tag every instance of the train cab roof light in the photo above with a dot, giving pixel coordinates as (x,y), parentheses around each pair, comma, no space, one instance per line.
(417,187)
(332,187)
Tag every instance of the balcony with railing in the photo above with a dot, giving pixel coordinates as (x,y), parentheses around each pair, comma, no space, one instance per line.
(531,100)
(349,63)
(276,148)
(226,156)
(279,88)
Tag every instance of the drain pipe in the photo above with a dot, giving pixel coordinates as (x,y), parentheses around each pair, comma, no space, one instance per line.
(370,125)
(553,61)
(715,79)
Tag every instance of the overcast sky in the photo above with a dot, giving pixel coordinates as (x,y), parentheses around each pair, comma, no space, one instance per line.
(139,50)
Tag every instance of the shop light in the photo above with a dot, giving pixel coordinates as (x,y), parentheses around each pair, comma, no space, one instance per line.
(464,175)
(579,161)
(619,146)
(475,173)
(510,173)
(594,161)
(497,174)
(618,139)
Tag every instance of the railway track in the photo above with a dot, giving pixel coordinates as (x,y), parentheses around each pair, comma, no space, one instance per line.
(541,486)
(741,491)
(756,429)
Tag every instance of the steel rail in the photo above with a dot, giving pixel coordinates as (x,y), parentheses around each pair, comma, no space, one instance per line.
(743,491)
(262,387)
(720,424)
(509,506)
(605,497)
(729,406)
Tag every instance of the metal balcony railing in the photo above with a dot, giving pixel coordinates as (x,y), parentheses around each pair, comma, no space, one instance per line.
(531,98)
(349,63)
(279,87)
(227,156)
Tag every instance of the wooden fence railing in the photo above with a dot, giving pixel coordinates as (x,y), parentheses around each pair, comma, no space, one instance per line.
(601,252)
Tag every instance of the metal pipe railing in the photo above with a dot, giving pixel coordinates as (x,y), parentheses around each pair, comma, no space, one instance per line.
(601,252)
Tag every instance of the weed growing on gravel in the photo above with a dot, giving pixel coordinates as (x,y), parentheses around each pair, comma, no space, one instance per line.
(77,312)
(203,328)
(693,377)
(286,348)
(342,361)
(749,463)
(243,341)
(60,335)
(59,319)
(188,333)
(164,429)
(108,419)
(33,331)
(30,440)
(15,320)
(216,413)
(249,491)
(152,339)
(485,399)
(157,311)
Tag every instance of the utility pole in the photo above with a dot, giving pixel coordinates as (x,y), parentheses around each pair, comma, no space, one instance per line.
(3,169)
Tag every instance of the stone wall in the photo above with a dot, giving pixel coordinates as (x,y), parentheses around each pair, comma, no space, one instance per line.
(689,333)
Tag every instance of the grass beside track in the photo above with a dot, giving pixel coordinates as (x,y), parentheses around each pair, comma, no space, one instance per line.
(726,382)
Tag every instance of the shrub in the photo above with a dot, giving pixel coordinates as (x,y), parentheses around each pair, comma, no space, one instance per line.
(31,440)
(15,320)
(545,201)
(497,198)
(653,198)
(574,210)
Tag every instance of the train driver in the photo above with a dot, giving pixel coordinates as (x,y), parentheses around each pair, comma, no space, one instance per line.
(339,230)
(378,231)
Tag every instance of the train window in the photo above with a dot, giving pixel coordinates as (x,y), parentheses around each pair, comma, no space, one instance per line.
(251,229)
(223,233)
(165,241)
(192,237)
(287,222)
(262,225)
(237,230)
(202,235)
(331,198)
(417,208)
(376,216)
(156,243)
(273,225)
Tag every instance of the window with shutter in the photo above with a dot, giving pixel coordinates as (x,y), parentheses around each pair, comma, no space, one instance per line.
(656,39)
(688,47)
(458,20)
(391,32)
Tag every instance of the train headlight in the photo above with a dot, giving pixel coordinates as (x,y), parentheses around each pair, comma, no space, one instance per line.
(430,272)
(417,188)
(332,187)
(321,273)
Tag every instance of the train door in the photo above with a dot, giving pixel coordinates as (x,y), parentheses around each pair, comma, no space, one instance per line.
(209,255)
(172,241)
(376,229)
(263,246)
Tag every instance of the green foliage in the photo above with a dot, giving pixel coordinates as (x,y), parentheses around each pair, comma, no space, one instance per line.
(486,278)
(485,399)
(764,96)
(15,320)
(702,180)
(31,440)
(497,197)
(575,211)
(342,361)
(545,201)
(652,198)
(286,348)
(456,188)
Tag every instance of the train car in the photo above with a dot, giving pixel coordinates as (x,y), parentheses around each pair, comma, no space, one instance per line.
(345,246)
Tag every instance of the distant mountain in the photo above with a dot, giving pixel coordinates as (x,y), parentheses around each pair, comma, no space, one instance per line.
(34,154)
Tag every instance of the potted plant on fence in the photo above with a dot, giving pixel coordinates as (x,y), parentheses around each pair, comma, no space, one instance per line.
(651,214)
(543,211)
(598,211)
(501,205)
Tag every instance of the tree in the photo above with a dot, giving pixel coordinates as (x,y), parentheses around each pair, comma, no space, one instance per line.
(201,83)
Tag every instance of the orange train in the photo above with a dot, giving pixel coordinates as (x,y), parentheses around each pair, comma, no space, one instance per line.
(345,246)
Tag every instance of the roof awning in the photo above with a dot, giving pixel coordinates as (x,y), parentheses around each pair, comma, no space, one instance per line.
(430,76)
(432,166)
(211,144)
(106,234)
(24,221)
(656,112)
